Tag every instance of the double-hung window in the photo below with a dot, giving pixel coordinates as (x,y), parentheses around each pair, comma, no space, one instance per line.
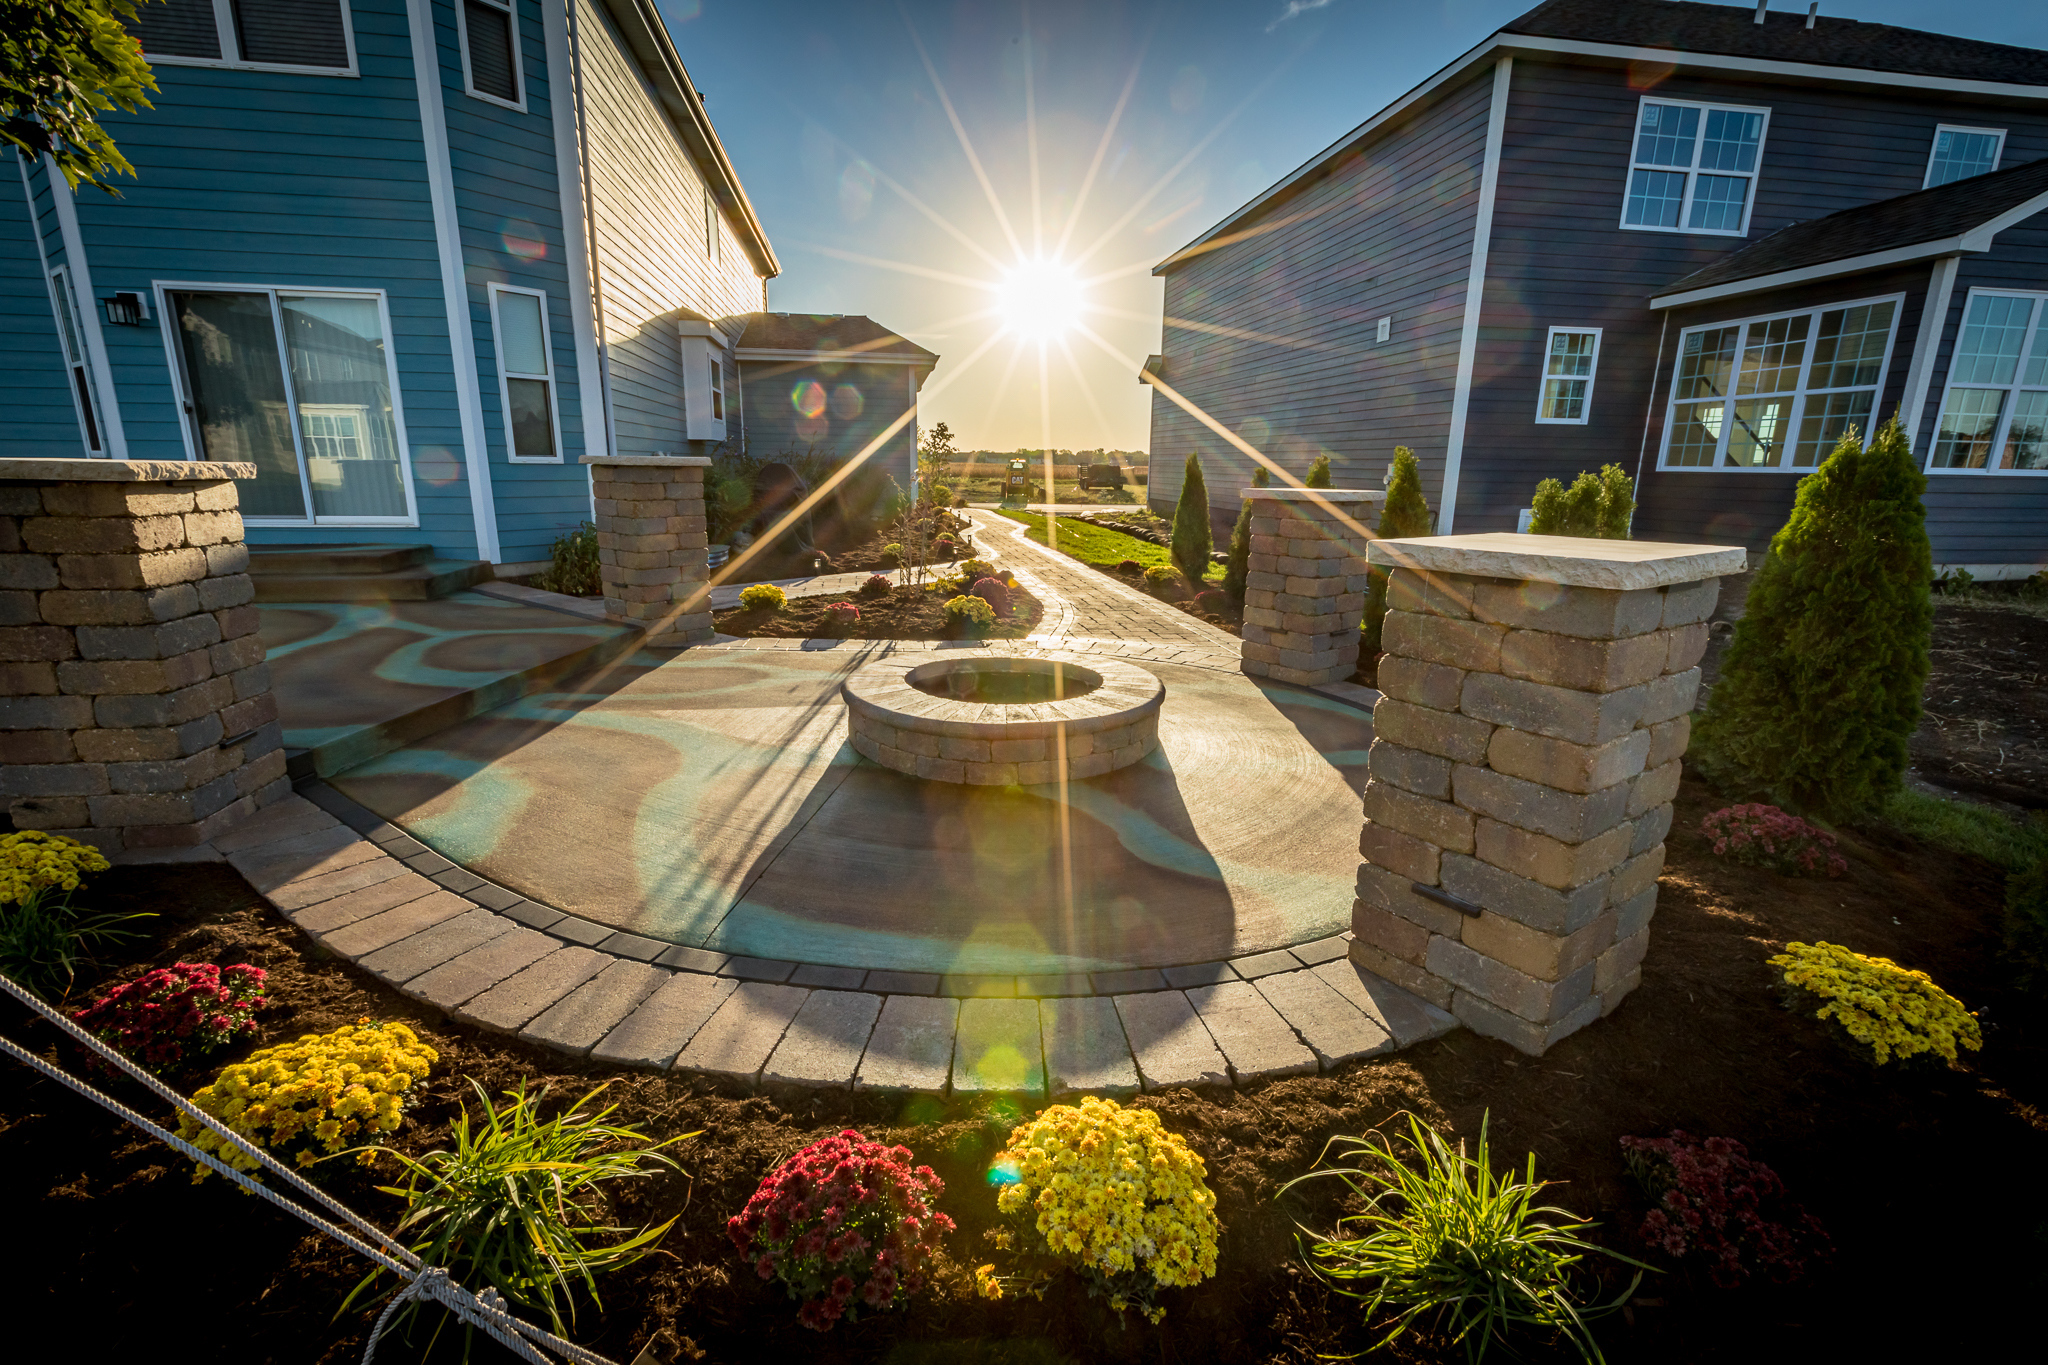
(299,383)
(1693,167)
(490,50)
(1777,392)
(1994,417)
(84,391)
(1568,361)
(520,319)
(1960,153)
(297,35)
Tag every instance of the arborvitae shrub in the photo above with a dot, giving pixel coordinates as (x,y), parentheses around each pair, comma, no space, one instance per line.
(1239,563)
(1404,513)
(1191,540)
(1596,506)
(1262,477)
(1820,689)
(1318,473)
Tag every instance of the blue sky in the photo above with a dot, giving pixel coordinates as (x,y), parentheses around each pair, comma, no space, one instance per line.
(835,120)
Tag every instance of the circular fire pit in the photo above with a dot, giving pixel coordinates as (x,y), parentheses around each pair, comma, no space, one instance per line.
(993,720)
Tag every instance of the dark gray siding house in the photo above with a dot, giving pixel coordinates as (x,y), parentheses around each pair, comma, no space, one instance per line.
(838,384)
(1693,240)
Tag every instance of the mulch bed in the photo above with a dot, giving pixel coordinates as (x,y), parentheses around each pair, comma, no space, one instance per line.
(1985,724)
(1921,1181)
(907,613)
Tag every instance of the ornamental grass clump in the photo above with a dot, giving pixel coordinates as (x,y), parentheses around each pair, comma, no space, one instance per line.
(1108,1193)
(186,1009)
(1442,1237)
(43,937)
(763,597)
(1716,1205)
(517,1201)
(845,1224)
(1764,836)
(314,1096)
(1893,1011)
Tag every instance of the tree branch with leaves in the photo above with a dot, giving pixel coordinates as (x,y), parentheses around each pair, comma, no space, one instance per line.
(62,64)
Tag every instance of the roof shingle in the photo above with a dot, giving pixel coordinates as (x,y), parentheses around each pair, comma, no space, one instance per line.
(826,332)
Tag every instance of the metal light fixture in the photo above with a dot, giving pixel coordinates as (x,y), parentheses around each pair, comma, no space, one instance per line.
(125,309)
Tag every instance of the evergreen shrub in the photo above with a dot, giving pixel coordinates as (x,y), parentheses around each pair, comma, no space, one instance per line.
(1239,562)
(1318,473)
(1404,513)
(1820,689)
(1191,539)
(1596,506)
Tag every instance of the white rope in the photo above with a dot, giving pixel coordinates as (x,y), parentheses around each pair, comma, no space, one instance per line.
(485,1310)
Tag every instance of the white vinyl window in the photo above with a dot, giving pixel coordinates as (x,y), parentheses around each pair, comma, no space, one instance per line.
(489,30)
(300,383)
(1994,417)
(84,387)
(1777,392)
(1693,167)
(1569,359)
(717,388)
(526,379)
(313,36)
(1960,153)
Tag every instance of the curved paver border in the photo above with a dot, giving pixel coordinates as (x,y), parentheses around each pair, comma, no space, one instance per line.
(365,890)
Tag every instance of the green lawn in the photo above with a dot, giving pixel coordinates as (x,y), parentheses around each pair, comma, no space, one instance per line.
(1103,549)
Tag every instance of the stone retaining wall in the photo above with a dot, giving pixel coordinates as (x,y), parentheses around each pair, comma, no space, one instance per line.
(1525,756)
(651,544)
(1305,591)
(135,703)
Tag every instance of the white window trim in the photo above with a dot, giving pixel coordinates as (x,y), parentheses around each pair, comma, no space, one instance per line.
(230,42)
(511,9)
(2039,323)
(1693,172)
(1670,381)
(1543,378)
(63,296)
(181,390)
(504,376)
(1934,145)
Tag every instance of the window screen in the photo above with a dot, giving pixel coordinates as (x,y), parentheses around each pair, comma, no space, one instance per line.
(490,50)
(177,28)
(290,32)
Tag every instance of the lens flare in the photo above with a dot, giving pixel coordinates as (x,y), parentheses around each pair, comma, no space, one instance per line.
(808,398)
(1039,299)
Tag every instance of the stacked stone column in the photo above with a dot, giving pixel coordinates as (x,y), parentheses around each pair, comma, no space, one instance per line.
(1537,702)
(1305,589)
(135,703)
(651,542)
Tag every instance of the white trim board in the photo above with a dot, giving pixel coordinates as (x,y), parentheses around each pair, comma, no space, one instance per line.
(426,66)
(565,101)
(113,436)
(1941,285)
(836,357)
(1475,297)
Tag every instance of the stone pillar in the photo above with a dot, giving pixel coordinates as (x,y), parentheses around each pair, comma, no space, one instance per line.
(135,703)
(651,539)
(1538,693)
(1305,592)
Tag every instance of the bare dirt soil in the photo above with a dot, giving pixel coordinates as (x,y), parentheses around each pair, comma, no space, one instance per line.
(906,613)
(1922,1181)
(1985,726)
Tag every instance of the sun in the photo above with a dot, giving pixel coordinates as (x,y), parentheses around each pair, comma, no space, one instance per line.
(1039,299)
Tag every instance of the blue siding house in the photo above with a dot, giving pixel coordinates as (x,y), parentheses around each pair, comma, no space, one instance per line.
(412,259)
(1697,241)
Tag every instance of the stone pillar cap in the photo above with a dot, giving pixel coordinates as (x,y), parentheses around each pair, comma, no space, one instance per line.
(121,471)
(1315,494)
(654,461)
(1570,560)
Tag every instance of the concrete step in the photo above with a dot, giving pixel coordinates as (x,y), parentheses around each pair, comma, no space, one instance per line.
(329,560)
(422,583)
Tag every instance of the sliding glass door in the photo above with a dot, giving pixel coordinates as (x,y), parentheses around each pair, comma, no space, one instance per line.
(299,385)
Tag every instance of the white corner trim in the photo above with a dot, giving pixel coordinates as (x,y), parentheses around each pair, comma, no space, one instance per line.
(1941,283)
(63,197)
(575,245)
(426,65)
(1475,294)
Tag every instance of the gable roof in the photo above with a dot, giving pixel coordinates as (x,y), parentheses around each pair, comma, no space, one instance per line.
(850,336)
(1782,37)
(1709,37)
(1963,215)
